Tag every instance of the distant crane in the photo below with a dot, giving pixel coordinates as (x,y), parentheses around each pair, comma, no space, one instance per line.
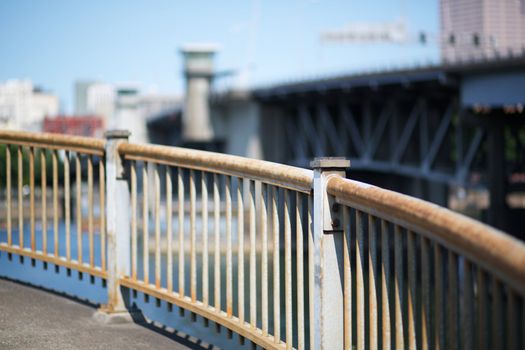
(376,32)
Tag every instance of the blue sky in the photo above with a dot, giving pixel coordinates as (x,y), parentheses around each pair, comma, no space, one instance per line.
(56,42)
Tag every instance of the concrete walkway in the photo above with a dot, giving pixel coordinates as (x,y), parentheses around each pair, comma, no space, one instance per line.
(31,318)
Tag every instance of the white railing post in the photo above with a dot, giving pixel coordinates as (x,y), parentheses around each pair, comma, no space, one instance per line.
(117,224)
(328,258)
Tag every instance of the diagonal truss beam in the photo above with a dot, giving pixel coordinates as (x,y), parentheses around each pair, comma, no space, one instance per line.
(407,131)
(351,126)
(374,141)
(309,130)
(463,171)
(328,126)
(438,138)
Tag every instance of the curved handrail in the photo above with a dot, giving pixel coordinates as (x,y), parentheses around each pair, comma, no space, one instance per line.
(80,145)
(489,249)
(277,174)
(496,251)
(87,145)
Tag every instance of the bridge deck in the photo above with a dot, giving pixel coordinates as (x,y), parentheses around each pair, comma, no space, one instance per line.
(31,318)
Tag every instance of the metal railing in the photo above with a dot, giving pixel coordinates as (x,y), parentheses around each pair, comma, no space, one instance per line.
(49,166)
(282,256)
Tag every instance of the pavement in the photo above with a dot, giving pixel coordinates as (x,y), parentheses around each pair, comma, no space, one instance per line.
(32,318)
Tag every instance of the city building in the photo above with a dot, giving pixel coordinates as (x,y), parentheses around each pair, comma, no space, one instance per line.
(94,98)
(121,106)
(24,107)
(81,88)
(482,28)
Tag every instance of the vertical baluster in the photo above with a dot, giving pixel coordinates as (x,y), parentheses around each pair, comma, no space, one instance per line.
(133,170)
(425,293)
(8,194)
(90,211)
(55,201)
(452,301)
(439,302)
(216,234)
(522,321)
(482,316)
(411,269)
(157,226)
(102,218)
(276,272)
(229,282)
(497,315)
(169,231)
(240,259)
(78,174)
(253,268)
(145,224)
(180,189)
(347,278)
(193,254)
(300,269)
(311,282)
(398,287)
(264,258)
(372,281)
(20,198)
(67,205)
(204,194)
(467,307)
(32,196)
(43,184)
(385,286)
(512,320)
(359,279)
(288,269)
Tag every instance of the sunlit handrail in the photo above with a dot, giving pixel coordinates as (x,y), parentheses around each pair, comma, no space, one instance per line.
(273,173)
(86,145)
(56,187)
(496,251)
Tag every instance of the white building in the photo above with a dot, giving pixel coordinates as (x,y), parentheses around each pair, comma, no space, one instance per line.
(100,101)
(23,107)
(122,106)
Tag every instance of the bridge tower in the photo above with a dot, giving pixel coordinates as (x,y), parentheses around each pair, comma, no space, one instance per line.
(198,70)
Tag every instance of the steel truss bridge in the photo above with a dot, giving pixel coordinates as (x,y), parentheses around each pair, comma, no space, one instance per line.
(457,125)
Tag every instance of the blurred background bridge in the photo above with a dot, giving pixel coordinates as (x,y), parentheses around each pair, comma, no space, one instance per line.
(452,133)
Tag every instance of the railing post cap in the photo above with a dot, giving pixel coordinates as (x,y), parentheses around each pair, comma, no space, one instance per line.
(339,163)
(117,134)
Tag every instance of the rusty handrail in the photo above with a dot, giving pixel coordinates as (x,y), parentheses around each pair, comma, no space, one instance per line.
(496,251)
(86,145)
(33,152)
(294,178)
(290,211)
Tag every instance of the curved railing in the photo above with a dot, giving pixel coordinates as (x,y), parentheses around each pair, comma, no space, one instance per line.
(282,256)
(239,195)
(47,166)
(455,283)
